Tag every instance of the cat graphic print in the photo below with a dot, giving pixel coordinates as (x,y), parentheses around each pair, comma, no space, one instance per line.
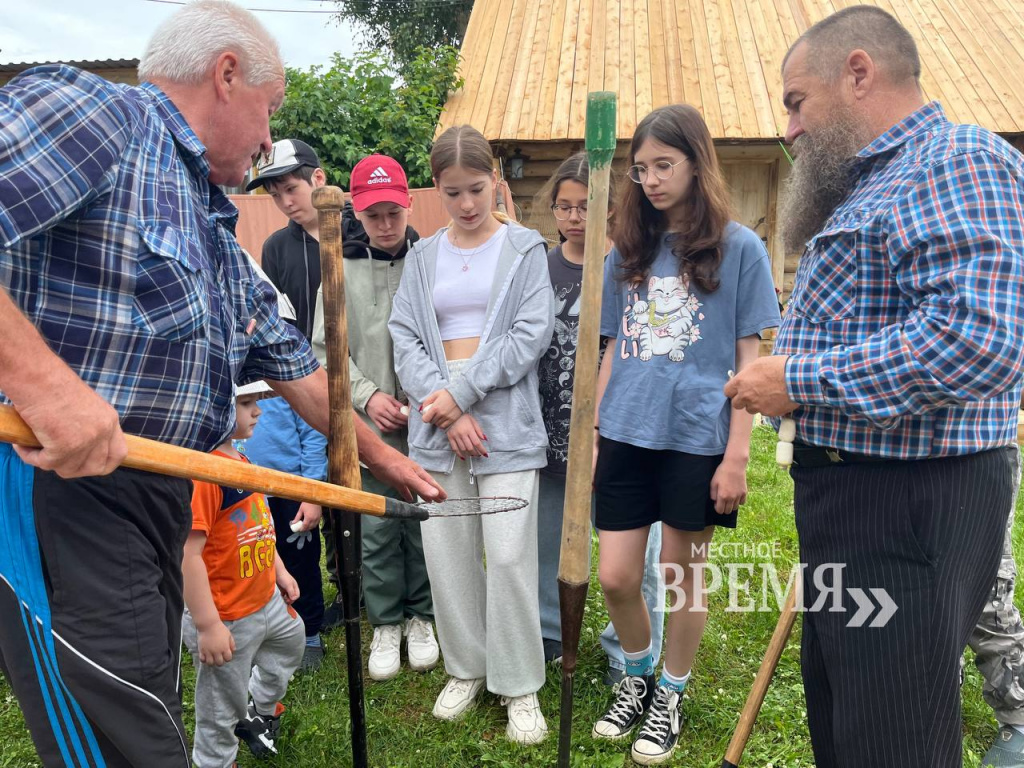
(665,324)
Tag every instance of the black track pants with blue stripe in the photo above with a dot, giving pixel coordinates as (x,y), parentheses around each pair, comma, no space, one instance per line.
(90,613)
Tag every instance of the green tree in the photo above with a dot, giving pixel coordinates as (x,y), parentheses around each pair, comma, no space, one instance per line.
(401,26)
(359,106)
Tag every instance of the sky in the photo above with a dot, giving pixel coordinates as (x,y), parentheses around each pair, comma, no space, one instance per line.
(70,30)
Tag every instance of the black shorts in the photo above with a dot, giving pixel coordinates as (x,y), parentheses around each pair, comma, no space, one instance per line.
(636,487)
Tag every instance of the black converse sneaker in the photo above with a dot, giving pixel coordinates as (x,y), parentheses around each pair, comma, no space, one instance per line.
(632,698)
(660,732)
(260,732)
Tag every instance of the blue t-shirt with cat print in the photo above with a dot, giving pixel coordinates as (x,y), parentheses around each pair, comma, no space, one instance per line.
(674,345)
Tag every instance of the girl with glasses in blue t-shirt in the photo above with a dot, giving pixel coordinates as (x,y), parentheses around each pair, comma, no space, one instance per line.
(687,293)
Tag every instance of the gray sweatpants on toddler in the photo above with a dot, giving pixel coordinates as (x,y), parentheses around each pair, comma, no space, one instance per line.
(268,649)
(488,622)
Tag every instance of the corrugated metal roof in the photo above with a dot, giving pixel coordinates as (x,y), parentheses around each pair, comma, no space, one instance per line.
(15,67)
(529,64)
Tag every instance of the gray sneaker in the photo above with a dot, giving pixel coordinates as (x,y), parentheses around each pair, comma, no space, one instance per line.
(1007,751)
(312,658)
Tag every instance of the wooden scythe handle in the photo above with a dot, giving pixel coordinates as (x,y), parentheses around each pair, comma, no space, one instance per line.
(172,460)
(763,679)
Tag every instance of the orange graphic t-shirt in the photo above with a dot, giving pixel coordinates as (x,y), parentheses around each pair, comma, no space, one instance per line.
(240,546)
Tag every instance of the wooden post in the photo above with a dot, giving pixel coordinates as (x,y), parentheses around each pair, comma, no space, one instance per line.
(574,558)
(343,453)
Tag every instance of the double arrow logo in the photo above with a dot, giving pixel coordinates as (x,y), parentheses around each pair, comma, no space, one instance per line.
(865,607)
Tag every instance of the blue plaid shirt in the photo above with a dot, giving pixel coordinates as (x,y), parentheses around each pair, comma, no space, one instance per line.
(116,246)
(904,326)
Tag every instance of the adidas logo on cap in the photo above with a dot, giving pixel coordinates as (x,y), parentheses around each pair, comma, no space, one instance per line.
(379,176)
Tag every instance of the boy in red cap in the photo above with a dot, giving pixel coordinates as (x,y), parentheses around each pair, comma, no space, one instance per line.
(376,237)
(291,259)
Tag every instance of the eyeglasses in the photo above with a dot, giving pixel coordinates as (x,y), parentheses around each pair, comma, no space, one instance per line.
(663,169)
(563,212)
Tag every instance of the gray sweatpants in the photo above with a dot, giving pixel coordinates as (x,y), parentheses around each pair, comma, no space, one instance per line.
(268,649)
(998,640)
(488,622)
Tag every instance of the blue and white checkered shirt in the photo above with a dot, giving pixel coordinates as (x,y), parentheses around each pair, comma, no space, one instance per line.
(905,322)
(116,246)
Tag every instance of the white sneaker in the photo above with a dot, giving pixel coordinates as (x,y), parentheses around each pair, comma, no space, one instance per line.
(457,697)
(421,645)
(385,652)
(525,722)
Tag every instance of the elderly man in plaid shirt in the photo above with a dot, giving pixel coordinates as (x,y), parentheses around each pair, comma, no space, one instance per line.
(900,359)
(126,303)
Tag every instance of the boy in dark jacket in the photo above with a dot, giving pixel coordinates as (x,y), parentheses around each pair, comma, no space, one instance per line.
(291,260)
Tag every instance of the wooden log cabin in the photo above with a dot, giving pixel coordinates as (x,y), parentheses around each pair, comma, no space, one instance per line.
(529,64)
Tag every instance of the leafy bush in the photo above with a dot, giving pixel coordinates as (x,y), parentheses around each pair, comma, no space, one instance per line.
(358,107)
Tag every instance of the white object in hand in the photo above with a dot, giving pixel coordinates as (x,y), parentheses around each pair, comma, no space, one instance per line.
(784,448)
(404,410)
(296,526)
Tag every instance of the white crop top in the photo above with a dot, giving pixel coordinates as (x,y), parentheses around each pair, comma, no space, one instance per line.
(462,285)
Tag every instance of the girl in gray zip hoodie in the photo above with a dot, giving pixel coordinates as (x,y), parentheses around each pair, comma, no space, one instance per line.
(488,624)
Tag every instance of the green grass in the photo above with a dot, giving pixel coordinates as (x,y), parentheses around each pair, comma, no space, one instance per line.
(401,731)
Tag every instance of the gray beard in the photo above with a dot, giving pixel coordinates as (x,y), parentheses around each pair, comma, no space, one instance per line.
(820,178)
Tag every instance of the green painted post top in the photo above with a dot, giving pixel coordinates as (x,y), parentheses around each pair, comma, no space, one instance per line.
(601,136)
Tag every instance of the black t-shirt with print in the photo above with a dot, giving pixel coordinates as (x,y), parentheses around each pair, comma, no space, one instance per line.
(557,367)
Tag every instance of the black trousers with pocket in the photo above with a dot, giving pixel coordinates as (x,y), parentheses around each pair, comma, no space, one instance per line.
(90,613)
(300,553)
(930,534)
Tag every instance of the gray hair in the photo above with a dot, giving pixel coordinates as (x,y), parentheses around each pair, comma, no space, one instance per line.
(863,27)
(186,45)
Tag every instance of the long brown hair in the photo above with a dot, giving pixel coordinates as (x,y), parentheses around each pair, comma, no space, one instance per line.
(639,225)
(466,147)
(461,145)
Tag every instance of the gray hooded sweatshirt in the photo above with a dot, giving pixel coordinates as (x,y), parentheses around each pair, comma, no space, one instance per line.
(499,384)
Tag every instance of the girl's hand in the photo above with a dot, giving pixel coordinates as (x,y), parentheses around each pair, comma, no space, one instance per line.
(216,645)
(593,465)
(466,438)
(308,517)
(288,586)
(439,409)
(729,485)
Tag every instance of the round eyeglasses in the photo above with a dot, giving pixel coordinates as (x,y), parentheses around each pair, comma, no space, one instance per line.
(663,169)
(563,212)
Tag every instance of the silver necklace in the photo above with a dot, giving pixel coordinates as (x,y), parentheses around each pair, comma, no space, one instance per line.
(466,259)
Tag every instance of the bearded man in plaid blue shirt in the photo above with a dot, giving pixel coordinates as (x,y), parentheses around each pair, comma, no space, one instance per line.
(900,359)
(126,303)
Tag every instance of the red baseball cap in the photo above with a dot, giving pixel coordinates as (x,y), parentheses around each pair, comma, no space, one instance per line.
(378,179)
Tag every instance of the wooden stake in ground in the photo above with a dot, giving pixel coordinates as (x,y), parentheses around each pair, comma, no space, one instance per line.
(342,452)
(574,559)
(764,678)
